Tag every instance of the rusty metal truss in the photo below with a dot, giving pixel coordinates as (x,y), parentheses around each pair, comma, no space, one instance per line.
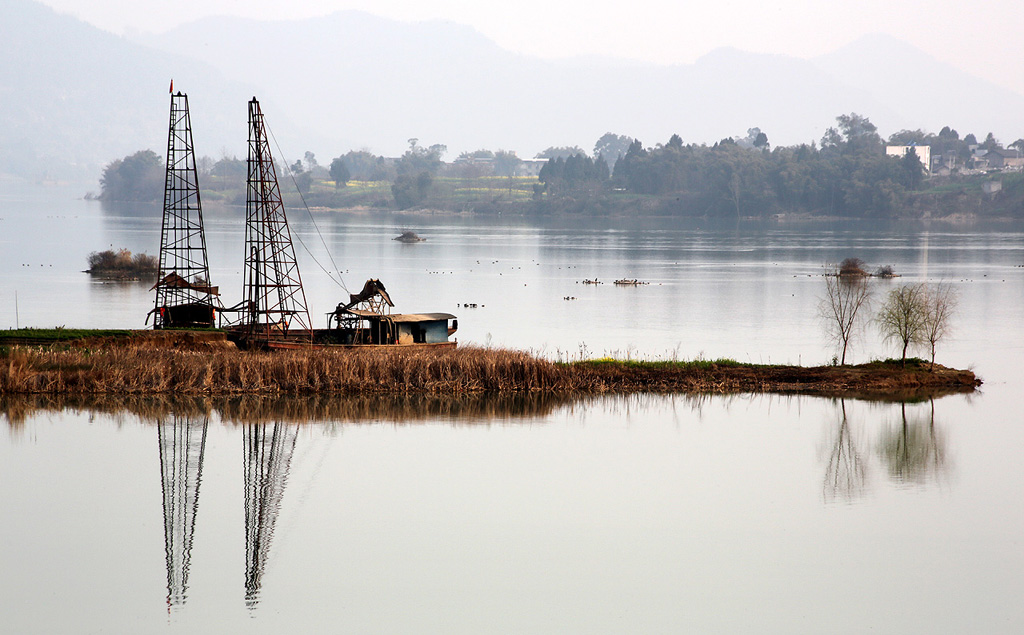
(184,296)
(274,299)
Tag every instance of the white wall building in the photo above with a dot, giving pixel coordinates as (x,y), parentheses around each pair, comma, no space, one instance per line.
(924,153)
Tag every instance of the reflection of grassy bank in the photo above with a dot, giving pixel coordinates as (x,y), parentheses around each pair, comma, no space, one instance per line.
(466,408)
(141,368)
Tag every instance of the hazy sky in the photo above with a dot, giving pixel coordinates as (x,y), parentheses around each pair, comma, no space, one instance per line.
(982,37)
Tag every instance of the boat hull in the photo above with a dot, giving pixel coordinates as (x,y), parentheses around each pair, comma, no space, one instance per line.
(319,339)
(302,345)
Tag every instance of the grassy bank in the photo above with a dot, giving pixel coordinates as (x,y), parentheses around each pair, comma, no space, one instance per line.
(137,366)
(34,336)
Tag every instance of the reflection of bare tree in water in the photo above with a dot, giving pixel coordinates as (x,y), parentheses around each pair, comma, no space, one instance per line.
(268,455)
(844,472)
(914,450)
(182,444)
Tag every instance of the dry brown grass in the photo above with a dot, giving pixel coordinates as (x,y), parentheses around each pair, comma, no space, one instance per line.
(138,370)
(143,370)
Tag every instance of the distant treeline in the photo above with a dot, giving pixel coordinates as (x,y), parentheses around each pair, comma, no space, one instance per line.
(846,174)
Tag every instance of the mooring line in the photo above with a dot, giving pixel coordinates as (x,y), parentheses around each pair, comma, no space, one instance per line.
(340,281)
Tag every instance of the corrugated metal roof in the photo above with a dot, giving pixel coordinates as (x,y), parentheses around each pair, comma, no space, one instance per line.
(174,280)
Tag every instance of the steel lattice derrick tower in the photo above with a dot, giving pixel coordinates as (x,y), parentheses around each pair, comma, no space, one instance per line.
(275,300)
(184,296)
(182,444)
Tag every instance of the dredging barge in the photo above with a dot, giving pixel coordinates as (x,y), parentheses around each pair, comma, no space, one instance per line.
(273,313)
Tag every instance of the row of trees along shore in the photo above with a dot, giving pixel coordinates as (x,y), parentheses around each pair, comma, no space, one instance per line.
(846,174)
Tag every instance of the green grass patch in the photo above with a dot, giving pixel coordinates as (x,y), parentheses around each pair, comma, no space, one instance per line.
(949,188)
(912,362)
(696,364)
(60,334)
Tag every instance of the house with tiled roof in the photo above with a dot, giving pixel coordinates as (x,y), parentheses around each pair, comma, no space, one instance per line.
(1000,158)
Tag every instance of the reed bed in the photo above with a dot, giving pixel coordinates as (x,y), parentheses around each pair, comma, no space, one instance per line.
(142,370)
(139,370)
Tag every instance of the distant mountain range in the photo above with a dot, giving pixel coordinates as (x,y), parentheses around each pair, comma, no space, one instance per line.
(75,97)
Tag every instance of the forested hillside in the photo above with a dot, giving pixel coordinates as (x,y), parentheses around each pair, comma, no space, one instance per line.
(846,174)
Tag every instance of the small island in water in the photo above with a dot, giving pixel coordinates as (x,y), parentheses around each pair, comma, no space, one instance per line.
(122,265)
(408,237)
(202,362)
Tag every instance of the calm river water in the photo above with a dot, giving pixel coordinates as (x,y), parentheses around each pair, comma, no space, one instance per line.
(518,515)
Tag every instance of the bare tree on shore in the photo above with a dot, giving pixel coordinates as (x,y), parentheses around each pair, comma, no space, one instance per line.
(940,305)
(844,300)
(903,317)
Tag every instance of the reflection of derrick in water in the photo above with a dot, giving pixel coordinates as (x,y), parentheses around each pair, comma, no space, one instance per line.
(268,455)
(182,443)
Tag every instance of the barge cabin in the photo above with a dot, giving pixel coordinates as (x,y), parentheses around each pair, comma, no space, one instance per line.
(357,327)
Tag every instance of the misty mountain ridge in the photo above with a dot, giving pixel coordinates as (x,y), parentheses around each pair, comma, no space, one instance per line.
(934,94)
(76,97)
(445,83)
(351,80)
